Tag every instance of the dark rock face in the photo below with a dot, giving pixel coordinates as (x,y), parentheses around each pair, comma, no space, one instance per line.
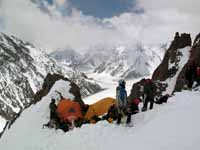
(194,56)
(163,72)
(49,82)
(195,52)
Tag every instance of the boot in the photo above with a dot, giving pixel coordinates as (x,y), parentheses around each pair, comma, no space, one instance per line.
(144,109)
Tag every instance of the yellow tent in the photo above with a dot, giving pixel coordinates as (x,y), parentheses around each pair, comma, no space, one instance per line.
(99,108)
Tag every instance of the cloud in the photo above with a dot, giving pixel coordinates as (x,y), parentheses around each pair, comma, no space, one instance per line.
(60,2)
(53,30)
(174,15)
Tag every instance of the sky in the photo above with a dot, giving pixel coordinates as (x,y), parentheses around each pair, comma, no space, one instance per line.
(80,24)
(103,8)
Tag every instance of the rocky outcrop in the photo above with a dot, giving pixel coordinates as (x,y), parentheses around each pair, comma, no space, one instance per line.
(194,57)
(163,71)
(195,51)
(169,69)
(48,84)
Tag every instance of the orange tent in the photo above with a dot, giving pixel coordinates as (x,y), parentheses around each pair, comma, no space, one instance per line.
(68,110)
(99,108)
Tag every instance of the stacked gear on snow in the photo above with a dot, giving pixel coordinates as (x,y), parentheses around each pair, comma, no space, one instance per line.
(98,109)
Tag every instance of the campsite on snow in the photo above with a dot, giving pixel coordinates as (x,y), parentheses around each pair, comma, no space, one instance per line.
(61,118)
(99,75)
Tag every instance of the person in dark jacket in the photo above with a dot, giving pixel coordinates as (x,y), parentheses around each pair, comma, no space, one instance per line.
(112,114)
(53,108)
(149,92)
(190,73)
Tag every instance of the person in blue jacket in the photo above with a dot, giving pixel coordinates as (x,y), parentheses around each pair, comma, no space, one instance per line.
(121,97)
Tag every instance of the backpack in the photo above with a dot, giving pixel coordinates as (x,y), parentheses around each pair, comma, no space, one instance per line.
(136,101)
(198,71)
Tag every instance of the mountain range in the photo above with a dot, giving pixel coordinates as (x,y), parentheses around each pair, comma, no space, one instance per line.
(120,61)
(22,73)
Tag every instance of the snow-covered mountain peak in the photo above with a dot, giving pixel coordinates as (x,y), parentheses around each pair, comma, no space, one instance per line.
(120,49)
(122,61)
(131,61)
(23,69)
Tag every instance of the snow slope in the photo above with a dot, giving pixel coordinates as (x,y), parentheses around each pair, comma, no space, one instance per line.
(109,84)
(2,123)
(172,126)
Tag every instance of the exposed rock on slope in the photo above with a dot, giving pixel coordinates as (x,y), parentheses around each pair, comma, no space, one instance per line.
(48,84)
(164,71)
(167,75)
(194,56)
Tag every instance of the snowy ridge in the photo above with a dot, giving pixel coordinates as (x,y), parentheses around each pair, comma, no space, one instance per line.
(165,127)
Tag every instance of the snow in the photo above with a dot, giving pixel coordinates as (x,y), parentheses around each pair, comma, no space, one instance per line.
(31,82)
(171,126)
(183,60)
(34,117)
(109,84)
(15,109)
(2,124)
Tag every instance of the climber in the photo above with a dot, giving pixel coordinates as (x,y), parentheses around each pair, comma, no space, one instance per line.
(198,75)
(121,97)
(53,107)
(149,92)
(132,109)
(53,122)
(190,73)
